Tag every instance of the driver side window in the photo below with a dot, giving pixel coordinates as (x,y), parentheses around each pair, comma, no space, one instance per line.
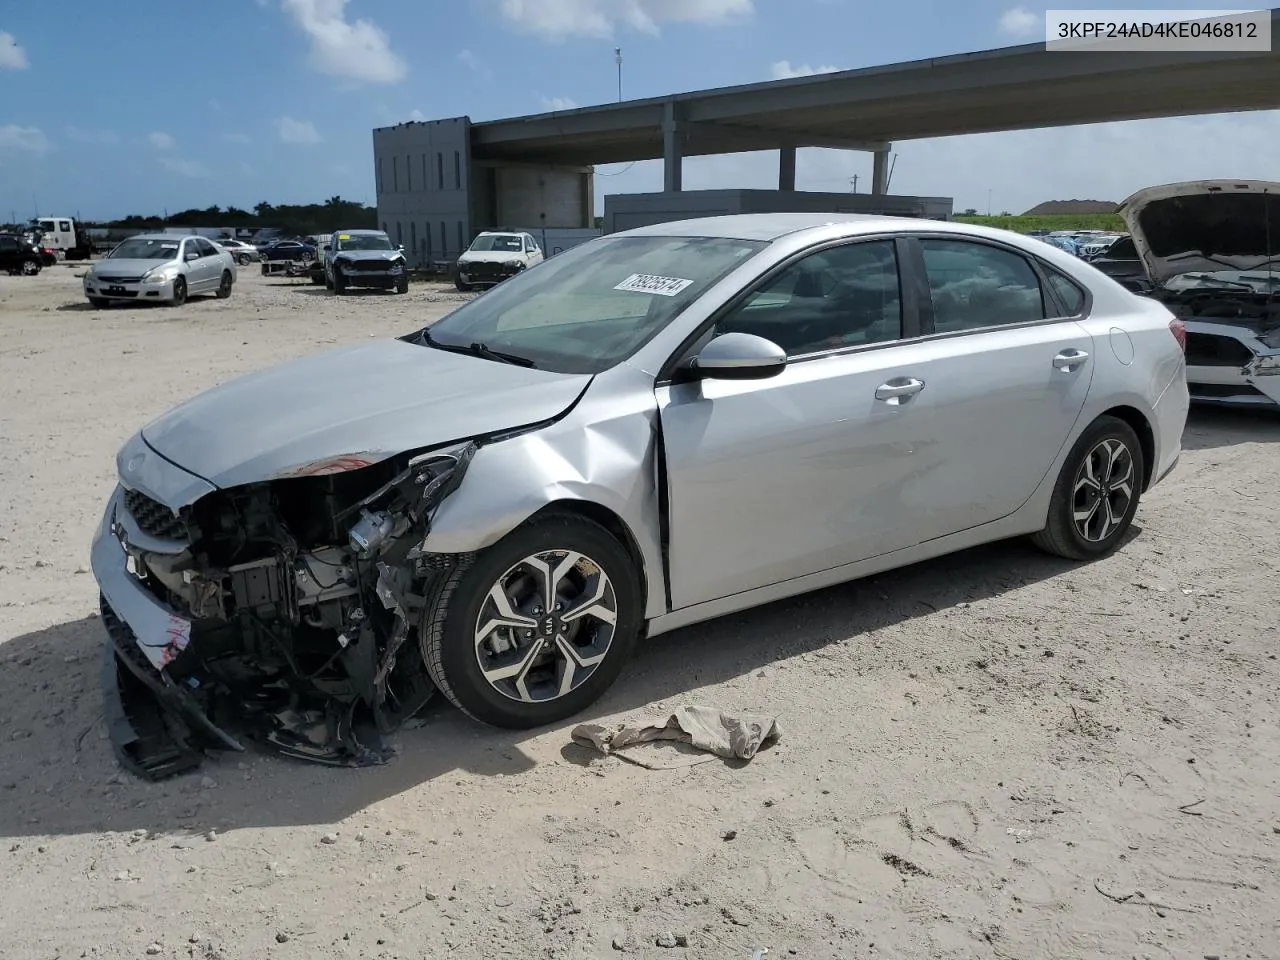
(845,296)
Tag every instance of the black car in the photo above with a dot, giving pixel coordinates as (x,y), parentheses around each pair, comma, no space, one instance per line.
(19,256)
(1121,263)
(289,250)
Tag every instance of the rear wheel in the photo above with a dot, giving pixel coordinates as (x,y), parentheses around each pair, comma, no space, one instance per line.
(30,268)
(243,259)
(1096,496)
(224,286)
(179,292)
(538,626)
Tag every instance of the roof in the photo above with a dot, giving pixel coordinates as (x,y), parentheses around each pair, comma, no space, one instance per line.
(772,226)
(1013,88)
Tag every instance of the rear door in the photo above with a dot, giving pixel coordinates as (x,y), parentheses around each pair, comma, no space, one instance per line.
(1005,369)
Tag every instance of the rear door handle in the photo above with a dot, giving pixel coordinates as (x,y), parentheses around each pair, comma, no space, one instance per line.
(899,389)
(1070,359)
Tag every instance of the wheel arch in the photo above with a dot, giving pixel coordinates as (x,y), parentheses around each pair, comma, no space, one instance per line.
(617,527)
(1146,436)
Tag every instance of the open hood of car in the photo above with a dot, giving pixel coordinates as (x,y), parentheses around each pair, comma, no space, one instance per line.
(1205,226)
(351,407)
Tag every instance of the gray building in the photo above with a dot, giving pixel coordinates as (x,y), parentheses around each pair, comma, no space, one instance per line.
(434,195)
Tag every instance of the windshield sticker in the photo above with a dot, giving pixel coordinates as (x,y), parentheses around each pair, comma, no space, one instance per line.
(344,236)
(647,283)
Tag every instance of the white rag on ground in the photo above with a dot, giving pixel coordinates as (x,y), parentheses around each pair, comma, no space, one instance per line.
(690,734)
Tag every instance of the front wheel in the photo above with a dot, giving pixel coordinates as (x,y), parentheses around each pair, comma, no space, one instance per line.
(538,626)
(224,286)
(402,284)
(99,303)
(179,292)
(1096,496)
(462,286)
(30,268)
(339,284)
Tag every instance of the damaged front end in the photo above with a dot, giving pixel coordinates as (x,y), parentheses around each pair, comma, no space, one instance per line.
(283,612)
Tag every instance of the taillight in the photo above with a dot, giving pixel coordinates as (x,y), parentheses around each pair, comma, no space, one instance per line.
(1179,331)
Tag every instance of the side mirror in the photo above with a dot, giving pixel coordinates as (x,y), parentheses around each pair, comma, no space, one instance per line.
(739,356)
(193,255)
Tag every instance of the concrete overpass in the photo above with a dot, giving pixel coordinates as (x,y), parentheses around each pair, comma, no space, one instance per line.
(1014,88)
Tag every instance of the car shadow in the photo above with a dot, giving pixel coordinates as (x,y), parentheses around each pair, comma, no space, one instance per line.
(58,775)
(1211,427)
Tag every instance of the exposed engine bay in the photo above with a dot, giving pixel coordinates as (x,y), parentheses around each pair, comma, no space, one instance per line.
(304,595)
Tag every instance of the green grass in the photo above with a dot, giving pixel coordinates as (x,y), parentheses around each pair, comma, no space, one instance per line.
(1078,221)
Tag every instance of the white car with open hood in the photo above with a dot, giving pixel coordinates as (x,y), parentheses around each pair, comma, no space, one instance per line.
(1211,249)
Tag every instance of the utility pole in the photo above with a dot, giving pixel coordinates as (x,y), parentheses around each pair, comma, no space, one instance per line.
(617,58)
(854,181)
(988,201)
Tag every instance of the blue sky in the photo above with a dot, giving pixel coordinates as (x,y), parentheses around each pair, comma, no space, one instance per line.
(239,101)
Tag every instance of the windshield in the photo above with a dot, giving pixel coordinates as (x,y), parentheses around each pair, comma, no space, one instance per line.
(591,307)
(363,241)
(497,241)
(142,249)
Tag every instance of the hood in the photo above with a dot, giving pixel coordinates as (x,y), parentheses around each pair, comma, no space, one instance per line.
(122,267)
(490,256)
(369,254)
(357,405)
(1204,226)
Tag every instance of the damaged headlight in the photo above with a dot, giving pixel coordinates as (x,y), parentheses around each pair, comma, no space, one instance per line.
(1264,367)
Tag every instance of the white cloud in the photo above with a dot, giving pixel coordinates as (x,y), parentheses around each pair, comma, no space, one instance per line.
(558,19)
(1105,161)
(100,137)
(296,131)
(186,168)
(783,70)
(12,56)
(30,139)
(474,64)
(359,50)
(1020,22)
(417,115)
(161,140)
(236,138)
(558,103)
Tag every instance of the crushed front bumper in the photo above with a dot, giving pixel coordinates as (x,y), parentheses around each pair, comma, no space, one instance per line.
(157,729)
(1231,366)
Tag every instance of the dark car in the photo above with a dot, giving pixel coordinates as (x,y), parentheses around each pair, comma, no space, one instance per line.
(19,256)
(1121,263)
(289,250)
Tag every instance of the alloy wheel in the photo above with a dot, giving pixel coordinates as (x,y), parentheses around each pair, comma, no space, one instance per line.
(30,268)
(1103,490)
(545,626)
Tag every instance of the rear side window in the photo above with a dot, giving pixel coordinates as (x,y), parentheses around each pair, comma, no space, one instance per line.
(977,285)
(8,244)
(1067,291)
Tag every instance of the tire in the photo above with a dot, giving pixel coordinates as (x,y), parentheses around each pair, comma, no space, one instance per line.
(179,292)
(464,287)
(243,259)
(99,303)
(339,284)
(328,282)
(1107,457)
(30,268)
(224,285)
(402,284)
(461,604)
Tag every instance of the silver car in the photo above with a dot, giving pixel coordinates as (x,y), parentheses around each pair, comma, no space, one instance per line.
(244,253)
(161,268)
(650,430)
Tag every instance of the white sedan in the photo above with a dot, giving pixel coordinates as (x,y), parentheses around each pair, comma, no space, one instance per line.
(162,268)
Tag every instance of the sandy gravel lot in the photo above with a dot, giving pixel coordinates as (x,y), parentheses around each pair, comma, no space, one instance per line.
(995,755)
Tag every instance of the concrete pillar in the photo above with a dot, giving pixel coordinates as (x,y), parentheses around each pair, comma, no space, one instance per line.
(672,149)
(787,168)
(880,171)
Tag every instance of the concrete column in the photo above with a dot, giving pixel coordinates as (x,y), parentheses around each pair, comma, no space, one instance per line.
(672,149)
(786,168)
(880,171)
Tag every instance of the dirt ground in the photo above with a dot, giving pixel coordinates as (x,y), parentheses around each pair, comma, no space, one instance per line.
(994,755)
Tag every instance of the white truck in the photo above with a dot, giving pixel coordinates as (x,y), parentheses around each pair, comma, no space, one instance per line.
(62,236)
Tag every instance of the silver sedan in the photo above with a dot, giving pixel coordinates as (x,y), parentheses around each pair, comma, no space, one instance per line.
(648,431)
(160,268)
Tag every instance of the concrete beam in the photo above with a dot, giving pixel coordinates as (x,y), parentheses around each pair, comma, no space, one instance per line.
(672,149)
(787,168)
(880,172)
(770,137)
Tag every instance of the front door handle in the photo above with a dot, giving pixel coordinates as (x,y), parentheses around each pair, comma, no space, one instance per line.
(899,389)
(1070,359)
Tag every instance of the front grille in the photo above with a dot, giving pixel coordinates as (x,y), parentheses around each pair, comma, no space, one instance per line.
(1215,391)
(381,265)
(153,518)
(103,278)
(487,270)
(1211,350)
